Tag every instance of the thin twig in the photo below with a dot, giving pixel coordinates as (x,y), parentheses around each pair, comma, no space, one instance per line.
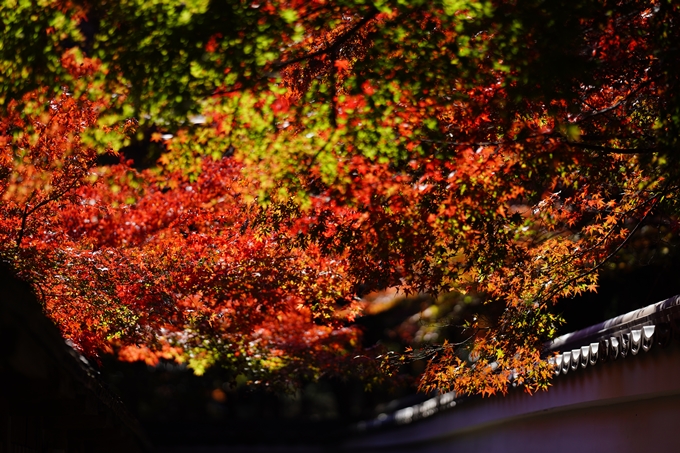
(335,46)
(610,256)
(612,150)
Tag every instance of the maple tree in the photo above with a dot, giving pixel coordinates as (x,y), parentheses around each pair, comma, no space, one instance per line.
(312,151)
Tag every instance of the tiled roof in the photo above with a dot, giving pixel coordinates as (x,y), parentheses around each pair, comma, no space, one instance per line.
(617,338)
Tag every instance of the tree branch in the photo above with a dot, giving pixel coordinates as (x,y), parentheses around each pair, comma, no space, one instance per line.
(335,46)
(28,212)
(597,266)
(611,149)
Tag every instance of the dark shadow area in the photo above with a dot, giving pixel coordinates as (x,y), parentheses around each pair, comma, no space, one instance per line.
(176,407)
(636,277)
(51,399)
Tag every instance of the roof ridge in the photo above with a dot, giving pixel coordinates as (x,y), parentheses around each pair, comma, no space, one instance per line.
(618,337)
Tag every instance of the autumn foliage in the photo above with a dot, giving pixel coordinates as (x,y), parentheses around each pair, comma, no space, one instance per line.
(314,152)
(153,266)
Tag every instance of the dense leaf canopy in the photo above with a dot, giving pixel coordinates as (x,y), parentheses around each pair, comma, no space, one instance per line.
(301,153)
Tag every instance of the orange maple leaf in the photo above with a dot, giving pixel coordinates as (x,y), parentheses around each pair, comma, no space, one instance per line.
(342,64)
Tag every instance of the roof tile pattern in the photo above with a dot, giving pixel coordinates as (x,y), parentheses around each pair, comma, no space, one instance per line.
(617,338)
